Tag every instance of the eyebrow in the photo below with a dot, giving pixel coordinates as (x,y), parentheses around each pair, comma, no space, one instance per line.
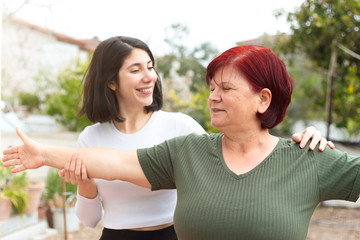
(137,64)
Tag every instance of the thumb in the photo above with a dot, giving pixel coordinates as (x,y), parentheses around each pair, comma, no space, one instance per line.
(296,137)
(61,173)
(22,135)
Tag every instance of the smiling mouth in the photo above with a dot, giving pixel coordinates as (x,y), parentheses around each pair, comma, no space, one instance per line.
(145,90)
(215,110)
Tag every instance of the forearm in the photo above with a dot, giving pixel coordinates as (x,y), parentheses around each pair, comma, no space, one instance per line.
(88,190)
(100,162)
(104,163)
(89,211)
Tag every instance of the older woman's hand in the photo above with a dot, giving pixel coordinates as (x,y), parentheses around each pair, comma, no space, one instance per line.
(26,156)
(311,133)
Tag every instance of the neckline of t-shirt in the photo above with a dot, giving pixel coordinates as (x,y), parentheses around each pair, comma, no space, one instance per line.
(255,169)
(146,126)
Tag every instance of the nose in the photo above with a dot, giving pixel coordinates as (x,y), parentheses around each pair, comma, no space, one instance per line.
(149,75)
(214,95)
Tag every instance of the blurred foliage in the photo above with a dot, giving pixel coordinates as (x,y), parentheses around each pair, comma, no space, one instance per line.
(53,186)
(30,100)
(13,186)
(193,60)
(65,103)
(318,27)
(197,107)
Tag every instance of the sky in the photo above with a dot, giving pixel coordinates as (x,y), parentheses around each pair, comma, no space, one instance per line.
(220,22)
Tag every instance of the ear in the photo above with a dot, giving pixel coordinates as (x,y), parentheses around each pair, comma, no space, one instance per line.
(112,85)
(265,97)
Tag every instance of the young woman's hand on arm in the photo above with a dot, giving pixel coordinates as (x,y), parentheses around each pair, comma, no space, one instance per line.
(89,208)
(75,173)
(311,133)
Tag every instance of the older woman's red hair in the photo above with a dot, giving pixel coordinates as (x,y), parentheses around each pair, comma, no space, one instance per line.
(262,69)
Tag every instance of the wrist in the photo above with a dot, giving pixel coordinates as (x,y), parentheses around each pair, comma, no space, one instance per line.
(44,156)
(88,190)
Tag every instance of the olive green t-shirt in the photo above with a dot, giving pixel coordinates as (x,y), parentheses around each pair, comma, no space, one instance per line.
(273,201)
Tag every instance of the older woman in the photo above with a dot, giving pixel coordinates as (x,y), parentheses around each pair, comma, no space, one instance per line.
(242,183)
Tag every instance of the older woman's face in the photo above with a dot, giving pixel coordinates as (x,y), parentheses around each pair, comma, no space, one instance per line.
(232,102)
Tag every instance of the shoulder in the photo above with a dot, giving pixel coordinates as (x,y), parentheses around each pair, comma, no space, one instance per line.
(93,131)
(184,124)
(173,115)
(195,140)
(325,157)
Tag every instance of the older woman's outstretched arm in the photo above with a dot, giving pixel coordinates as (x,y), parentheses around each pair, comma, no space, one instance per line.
(105,163)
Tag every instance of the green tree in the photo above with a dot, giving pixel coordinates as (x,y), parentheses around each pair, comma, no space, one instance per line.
(64,104)
(318,28)
(190,59)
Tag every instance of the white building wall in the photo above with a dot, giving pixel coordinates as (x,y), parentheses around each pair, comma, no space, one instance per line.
(27,51)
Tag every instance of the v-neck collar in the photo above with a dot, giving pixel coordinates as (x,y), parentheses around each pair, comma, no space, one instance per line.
(255,169)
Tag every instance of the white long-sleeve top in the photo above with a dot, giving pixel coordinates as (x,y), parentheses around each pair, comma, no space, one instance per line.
(127,205)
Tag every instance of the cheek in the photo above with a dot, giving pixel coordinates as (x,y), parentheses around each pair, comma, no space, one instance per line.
(154,77)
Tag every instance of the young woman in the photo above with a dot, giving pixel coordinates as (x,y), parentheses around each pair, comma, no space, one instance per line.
(123,96)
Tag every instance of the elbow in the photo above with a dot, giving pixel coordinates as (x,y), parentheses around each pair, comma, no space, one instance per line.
(91,223)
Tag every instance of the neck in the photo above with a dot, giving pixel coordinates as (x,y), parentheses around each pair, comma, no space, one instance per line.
(247,142)
(245,151)
(134,121)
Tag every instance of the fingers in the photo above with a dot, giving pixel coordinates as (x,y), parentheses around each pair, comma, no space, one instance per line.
(316,138)
(307,134)
(22,135)
(84,176)
(18,169)
(10,157)
(330,144)
(78,169)
(74,171)
(66,169)
(11,150)
(324,143)
(12,162)
(296,137)
(61,173)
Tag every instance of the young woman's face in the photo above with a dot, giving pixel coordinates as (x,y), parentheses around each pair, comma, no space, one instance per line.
(137,79)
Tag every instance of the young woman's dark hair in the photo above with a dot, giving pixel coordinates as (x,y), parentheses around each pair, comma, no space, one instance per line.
(99,101)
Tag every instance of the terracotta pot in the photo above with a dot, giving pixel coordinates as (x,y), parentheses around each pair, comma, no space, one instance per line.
(50,217)
(34,190)
(5,208)
(42,211)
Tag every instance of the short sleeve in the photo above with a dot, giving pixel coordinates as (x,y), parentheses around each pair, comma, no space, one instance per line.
(339,175)
(157,164)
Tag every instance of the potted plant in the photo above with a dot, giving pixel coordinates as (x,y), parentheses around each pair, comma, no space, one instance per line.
(13,190)
(34,190)
(53,195)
